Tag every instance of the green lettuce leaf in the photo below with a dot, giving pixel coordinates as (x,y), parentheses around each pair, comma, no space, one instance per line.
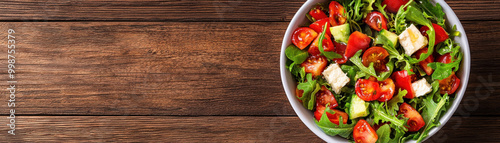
(370,70)
(392,105)
(442,70)
(380,116)
(295,54)
(311,87)
(332,129)
(431,112)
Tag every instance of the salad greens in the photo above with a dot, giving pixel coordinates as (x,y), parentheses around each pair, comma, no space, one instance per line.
(393,124)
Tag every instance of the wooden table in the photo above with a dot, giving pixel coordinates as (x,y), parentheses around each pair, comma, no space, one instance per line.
(188,71)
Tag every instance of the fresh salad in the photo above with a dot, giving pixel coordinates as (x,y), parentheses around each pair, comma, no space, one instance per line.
(375,70)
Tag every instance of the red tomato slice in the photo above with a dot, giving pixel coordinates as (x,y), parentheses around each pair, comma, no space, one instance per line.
(303,36)
(393,5)
(415,121)
(387,89)
(423,64)
(299,93)
(357,41)
(314,65)
(377,56)
(364,133)
(324,97)
(403,82)
(449,85)
(446,58)
(333,118)
(327,45)
(376,20)
(367,90)
(319,25)
(336,13)
(340,49)
(317,13)
(441,34)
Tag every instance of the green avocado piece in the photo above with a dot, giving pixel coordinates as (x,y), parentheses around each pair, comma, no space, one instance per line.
(341,32)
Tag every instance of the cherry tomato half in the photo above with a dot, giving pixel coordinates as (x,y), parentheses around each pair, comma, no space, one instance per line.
(364,133)
(423,64)
(333,118)
(317,13)
(415,121)
(314,65)
(377,56)
(376,20)
(327,45)
(303,36)
(449,85)
(387,89)
(336,13)
(403,82)
(367,90)
(357,41)
(393,5)
(324,97)
(319,25)
(441,34)
(340,49)
(446,58)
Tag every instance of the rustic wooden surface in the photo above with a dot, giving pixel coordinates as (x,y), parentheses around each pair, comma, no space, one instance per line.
(189,71)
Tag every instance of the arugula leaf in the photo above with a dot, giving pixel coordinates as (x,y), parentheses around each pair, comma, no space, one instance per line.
(368,7)
(370,70)
(435,12)
(392,104)
(384,134)
(400,19)
(311,87)
(295,54)
(351,72)
(442,70)
(381,8)
(448,46)
(431,112)
(328,55)
(379,115)
(343,130)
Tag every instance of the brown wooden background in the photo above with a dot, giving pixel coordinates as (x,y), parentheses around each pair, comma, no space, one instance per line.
(189,71)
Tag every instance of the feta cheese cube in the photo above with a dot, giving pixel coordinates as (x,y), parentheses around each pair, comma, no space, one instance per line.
(412,40)
(335,77)
(421,87)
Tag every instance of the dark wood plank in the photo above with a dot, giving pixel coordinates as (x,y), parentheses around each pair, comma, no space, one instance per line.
(208,128)
(191,10)
(170,68)
(158,129)
(148,68)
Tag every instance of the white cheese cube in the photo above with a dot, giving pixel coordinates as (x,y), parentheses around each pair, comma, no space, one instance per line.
(412,40)
(335,77)
(421,87)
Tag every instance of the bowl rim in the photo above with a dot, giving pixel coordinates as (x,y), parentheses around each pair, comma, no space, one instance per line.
(306,116)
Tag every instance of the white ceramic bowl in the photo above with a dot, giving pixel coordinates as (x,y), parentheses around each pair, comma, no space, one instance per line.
(306,116)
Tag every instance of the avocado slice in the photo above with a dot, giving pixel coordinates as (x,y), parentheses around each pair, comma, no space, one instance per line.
(341,32)
(358,107)
(390,36)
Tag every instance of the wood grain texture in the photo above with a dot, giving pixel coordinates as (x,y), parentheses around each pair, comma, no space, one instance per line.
(191,10)
(171,68)
(208,129)
(159,129)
